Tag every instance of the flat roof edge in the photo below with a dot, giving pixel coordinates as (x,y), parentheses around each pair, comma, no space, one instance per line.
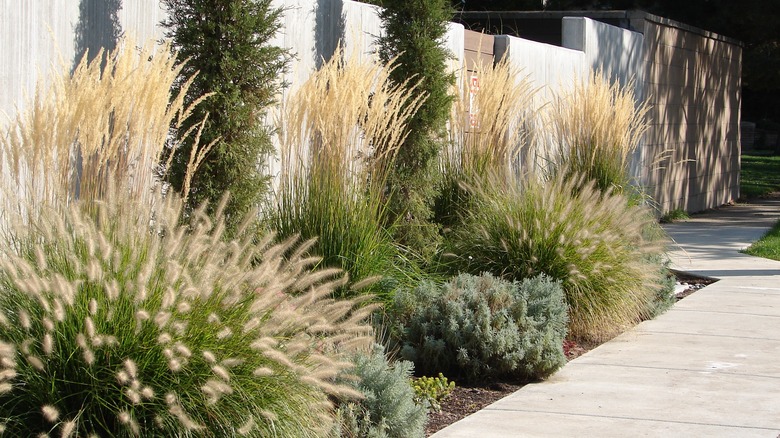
(616,14)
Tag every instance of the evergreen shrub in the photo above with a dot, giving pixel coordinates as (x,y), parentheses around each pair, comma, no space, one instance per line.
(228,51)
(479,327)
(414,33)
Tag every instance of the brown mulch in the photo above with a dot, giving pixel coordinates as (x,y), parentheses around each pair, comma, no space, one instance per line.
(465,400)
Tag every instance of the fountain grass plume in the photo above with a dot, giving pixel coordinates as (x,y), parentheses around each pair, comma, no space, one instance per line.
(121,326)
(597,244)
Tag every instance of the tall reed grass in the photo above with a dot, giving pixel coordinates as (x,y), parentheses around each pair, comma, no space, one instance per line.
(596,126)
(488,133)
(109,122)
(339,135)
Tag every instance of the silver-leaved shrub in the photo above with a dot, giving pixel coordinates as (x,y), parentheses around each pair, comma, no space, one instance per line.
(482,326)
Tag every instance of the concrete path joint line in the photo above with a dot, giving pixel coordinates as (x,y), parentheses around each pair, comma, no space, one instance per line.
(654,420)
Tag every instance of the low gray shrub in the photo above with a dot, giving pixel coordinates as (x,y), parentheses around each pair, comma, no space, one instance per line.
(388,408)
(477,327)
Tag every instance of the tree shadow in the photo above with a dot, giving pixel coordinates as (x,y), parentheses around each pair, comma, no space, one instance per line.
(329,29)
(97,28)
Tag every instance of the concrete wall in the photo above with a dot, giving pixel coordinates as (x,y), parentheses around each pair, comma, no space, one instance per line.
(37,36)
(620,53)
(690,158)
(550,67)
(313,29)
(693,83)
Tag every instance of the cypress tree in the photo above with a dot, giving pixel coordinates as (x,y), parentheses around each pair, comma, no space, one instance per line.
(414,33)
(227,42)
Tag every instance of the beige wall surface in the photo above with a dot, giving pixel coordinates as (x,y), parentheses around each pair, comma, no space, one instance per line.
(692,147)
(690,155)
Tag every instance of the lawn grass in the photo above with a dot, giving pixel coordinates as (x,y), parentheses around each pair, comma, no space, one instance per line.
(768,246)
(760,175)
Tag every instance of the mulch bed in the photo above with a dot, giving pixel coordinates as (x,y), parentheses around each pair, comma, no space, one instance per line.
(465,400)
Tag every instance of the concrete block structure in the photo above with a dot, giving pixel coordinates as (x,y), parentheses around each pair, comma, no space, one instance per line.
(691,79)
(693,85)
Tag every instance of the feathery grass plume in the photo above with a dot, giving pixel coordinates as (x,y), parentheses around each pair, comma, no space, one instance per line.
(596,127)
(488,132)
(120,319)
(595,243)
(339,134)
(106,123)
(112,373)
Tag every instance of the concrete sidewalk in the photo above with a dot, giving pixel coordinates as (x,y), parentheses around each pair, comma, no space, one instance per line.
(710,366)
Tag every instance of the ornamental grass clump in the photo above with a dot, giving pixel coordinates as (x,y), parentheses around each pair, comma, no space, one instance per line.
(478,327)
(339,135)
(118,320)
(596,126)
(488,133)
(107,122)
(119,316)
(596,244)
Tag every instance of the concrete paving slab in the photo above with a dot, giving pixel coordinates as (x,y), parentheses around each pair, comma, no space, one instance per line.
(732,301)
(698,322)
(696,353)
(493,424)
(708,367)
(600,393)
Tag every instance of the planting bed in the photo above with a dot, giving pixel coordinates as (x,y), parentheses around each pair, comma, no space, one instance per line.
(465,400)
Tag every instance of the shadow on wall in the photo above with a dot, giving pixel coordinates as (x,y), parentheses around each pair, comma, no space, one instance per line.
(98,28)
(329,29)
(694,90)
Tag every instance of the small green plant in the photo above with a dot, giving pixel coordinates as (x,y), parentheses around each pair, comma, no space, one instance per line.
(675,215)
(389,407)
(604,251)
(432,390)
(482,327)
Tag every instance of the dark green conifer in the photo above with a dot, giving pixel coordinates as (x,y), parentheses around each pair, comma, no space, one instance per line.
(228,43)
